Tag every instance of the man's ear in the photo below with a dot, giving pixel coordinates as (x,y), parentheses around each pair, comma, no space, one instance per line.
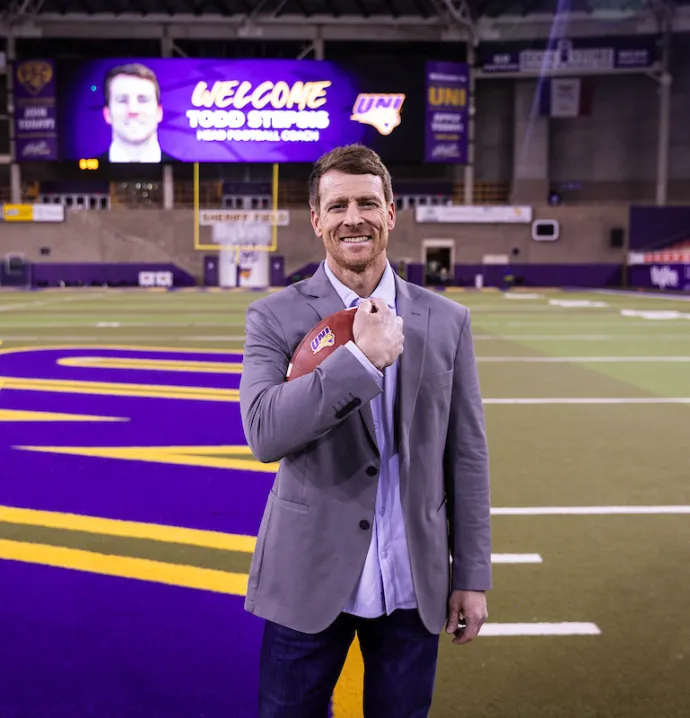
(316,223)
(391,216)
(106,115)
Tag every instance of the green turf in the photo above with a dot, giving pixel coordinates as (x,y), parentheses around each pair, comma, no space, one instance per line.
(627,574)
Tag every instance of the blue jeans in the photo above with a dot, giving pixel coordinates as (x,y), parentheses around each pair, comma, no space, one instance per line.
(298,671)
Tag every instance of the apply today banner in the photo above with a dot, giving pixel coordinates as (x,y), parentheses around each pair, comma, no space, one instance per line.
(190,110)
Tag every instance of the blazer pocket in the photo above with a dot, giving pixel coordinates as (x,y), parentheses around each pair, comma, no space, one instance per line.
(293,505)
(438,379)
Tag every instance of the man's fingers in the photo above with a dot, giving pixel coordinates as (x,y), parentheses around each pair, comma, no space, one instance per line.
(365,306)
(468,634)
(380,305)
(453,620)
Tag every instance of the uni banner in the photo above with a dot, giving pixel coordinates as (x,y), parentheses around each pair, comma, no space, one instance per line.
(35,115)
(447,91)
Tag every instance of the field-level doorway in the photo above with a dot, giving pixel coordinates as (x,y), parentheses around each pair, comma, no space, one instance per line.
(438,257)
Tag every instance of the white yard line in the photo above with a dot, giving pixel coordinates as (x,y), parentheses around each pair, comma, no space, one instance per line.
(587,360)
(588,510)
(516,558)
(51,339)
(683,335)
(592,400)
(116,324)
(565,628)
(49,302)
(640,295)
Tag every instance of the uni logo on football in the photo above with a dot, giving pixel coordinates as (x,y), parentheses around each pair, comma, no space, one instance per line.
(380,110)
(325,338)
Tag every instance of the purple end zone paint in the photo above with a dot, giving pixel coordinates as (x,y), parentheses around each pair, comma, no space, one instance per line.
(77,645)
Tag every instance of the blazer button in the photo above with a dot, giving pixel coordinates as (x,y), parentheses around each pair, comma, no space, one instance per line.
(364,525)
(371,471)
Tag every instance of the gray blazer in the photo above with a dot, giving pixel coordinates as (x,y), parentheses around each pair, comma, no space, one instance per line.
(316,528)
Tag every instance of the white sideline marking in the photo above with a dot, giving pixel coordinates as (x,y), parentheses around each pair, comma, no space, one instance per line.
(587,510)
(612,400)
(49,302)
(121,337)
(654,314)
(551,360)
(516,558)
(567,628)
(576,303)
(581,337)
(679,297)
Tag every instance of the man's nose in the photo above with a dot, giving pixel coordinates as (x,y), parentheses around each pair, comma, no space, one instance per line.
(353,217)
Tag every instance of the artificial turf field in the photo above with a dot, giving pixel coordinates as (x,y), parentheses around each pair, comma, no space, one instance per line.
(129,503)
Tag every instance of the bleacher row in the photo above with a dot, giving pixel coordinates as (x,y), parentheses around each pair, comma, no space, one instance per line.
(142,194)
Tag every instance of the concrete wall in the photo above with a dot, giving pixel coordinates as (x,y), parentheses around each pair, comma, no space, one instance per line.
(608,155)
(150,235)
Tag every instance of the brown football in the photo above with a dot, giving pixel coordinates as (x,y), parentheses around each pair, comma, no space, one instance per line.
(320,342)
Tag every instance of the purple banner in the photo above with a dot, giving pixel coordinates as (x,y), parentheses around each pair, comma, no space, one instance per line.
(447,86)
(674,277)
(35,118)
(162,110)
(581,55)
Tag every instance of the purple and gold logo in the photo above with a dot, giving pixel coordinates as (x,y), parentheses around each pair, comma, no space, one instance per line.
(325,338)
(380,110)
(34,75)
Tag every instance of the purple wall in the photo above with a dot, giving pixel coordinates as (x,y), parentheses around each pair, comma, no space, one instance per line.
(657,227)
(98,273)
(537,275)
(541,275)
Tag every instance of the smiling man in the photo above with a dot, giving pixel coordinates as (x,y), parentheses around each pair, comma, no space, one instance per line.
(384,471)
(133,110)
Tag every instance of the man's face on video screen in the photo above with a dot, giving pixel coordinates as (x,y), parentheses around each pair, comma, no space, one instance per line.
(133,110)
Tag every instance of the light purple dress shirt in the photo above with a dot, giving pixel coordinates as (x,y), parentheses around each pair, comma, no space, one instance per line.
(386,581)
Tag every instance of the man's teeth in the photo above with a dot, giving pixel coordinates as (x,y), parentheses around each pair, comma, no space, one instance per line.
(354,240)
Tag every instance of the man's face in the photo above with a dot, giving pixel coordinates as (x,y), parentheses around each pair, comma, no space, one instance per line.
(133,111)
(353,219)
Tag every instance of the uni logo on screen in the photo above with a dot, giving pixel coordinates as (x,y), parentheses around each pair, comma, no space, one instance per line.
(380,110)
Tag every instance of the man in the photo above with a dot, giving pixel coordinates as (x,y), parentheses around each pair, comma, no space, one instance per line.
(133,109)
(383,467)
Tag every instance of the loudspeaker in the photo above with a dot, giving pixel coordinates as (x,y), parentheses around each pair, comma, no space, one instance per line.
(616,237)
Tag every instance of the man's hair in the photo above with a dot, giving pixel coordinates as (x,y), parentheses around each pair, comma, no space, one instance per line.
(133,69)
(353,159)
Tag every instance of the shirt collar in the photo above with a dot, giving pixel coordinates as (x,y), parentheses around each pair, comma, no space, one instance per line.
(385,289)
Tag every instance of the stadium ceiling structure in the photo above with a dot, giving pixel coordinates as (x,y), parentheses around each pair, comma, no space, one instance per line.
(317,21)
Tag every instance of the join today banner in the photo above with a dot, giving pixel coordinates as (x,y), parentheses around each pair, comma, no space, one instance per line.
(447,88)
(190,110)
(35,123)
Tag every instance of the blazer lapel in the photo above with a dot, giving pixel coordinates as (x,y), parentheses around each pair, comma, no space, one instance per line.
(323,297)
(415,327)
(326,301)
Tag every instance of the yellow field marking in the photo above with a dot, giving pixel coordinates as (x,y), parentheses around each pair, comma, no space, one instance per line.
(122,347)
(349,691)
(18,415)
(152,391)
(199,367)
(128,529)
(207,456)
(142,569)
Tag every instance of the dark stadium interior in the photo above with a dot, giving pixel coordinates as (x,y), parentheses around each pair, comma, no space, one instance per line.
(130,502)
